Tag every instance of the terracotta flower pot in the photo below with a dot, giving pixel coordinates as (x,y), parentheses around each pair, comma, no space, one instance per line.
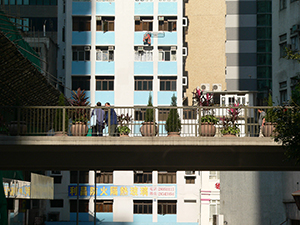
(149,129)
(173,134)
(268,129)
(208,130)
(79,129)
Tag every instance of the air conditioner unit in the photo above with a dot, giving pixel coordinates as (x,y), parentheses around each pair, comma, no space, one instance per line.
(87,48)
(140,48)
(217,87)
(204,87)
(189,172)
(137,18)
(139,171)
(173,48)
(161,18)
(110,48)
(98,18)
(98,171)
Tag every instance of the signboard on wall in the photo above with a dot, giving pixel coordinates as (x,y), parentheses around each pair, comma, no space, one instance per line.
(42,187)
(16,188)
(135,191)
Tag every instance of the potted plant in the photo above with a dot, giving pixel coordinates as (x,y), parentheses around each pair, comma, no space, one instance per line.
(229,123)
(173,123)
(123,121)
(58,120)
(208,128)
(270,118)
(80,115)
(208,120)
(148,127)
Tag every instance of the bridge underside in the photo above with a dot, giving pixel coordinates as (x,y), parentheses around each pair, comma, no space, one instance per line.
(142,153)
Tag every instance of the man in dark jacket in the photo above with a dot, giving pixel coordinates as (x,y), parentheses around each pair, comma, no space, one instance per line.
(113,120)
(98,129)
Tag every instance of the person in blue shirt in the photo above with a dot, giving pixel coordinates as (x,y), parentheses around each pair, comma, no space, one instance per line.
(98,129)
(113,120)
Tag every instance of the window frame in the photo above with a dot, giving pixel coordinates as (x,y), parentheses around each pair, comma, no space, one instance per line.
(146,81)
(145,24)
(166,177)
(166,207)
(81,23)
(84,82)
(83,177)
(83,205)
(144,177)
(142,206)
(167,54)
(165,82)
(104,206)
(105,53)
(167,24)
(105,177)
(81,53)
(105,24)
(143,53)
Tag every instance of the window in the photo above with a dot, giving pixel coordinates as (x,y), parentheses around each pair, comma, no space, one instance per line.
(144,23)
(214,175)
(82,23)
(104,206)
(167,53)
(142,206)
(282,4)
(143,83)
(104,177)
(57,203)
(104,83)
(214,207)
(143,53)
(105,23)
(167,23)
(105,53)
(82,82)
(294,82)
(83,205)
(189,114)
(81,53)
(282,47)
(167,83)
(283,92)
(166,207)
(166,177)
(57,179)
(142,177)
(190,180)
(139,114)
(163,114)
(83,176)
(295,43)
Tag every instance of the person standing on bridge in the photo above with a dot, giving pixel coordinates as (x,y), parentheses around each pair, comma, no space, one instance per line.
(261,121)
(113,120)
(100,114)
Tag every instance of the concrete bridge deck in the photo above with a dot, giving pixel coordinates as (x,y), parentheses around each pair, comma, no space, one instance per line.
(142,153)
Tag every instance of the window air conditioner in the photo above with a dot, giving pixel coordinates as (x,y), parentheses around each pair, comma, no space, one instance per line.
(87,48)
(98,17)
(161,18)
(217,87)
(139,171)
(140,48)
(173,48)
(137,18)
(110,48)
(204,87)
(98,171)
(189,172)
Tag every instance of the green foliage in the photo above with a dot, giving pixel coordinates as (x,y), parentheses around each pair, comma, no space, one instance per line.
(270,112)
(79,99)
(149,111)
(229,124)
(173,123)
(123,121)
(211,119)
(287,130)
(58,122)
(292,55)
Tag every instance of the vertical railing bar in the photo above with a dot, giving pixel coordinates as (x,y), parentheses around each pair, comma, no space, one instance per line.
(64,121)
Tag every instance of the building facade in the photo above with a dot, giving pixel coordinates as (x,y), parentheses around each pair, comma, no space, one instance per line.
(286,30)
(135,197)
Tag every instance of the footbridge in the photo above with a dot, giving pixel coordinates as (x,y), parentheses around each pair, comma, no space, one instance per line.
(142,153)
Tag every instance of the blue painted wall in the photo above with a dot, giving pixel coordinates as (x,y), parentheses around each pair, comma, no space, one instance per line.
(138,38)
(81,67)
(105,8)
(141,97)
(168,218)
(105,67)
(105,96)
(167,8)
(81,8)
(170,38)
(107,38)
(142,218)
(81,217)
(167,67)
(143,68)
(164,97)
(143,8)
(81,37)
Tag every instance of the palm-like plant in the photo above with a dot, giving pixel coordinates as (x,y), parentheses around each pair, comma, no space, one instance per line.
(229,124)
(79,99)
(123,121)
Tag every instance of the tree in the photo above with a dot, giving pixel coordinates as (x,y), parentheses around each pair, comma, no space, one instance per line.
(173,123)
